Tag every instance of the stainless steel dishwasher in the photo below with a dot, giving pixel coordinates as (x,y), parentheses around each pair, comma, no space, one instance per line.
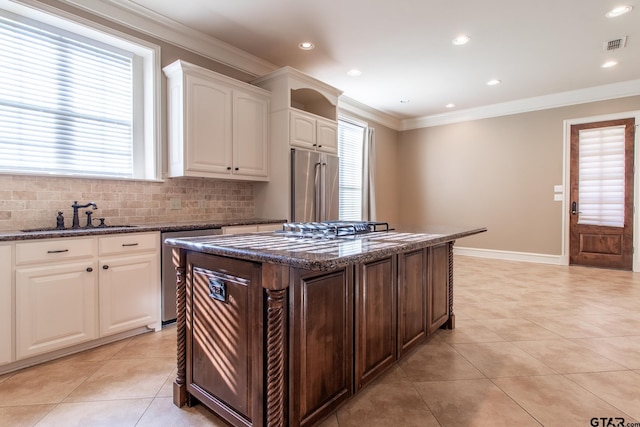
(169,272)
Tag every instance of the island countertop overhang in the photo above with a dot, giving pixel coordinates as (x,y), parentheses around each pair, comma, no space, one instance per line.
(324,254)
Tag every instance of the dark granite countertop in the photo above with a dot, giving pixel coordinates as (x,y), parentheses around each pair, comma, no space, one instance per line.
(323,254)
(6,236)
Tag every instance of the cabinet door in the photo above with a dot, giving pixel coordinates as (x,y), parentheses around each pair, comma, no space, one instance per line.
(321,370)
(375,319)
(302,132)
(412,299)
(6,297)
(327,136)
(224,337)
(208,130)
(250,130)
(439,274)
(55,307)
(129,292)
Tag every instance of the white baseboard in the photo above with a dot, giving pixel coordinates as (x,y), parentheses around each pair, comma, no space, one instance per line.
(512,256)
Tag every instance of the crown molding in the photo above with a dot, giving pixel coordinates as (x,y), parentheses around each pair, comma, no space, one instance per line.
(350,105)
(561,99)
(141,19)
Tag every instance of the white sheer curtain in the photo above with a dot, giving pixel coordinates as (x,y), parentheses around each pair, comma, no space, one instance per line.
(369,176)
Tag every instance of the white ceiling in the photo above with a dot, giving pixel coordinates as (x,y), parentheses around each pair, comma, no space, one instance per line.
(404,49)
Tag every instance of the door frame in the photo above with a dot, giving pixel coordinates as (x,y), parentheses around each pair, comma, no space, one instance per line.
(566,191)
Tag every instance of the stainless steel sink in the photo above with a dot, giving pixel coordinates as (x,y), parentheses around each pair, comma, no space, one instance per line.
(45,229)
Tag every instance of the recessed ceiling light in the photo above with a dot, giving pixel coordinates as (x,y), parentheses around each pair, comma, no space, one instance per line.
(404,101)
(354,72)
(460,40)
(609,64)
(306,46)
(494,82)
(450,105)
(620,10)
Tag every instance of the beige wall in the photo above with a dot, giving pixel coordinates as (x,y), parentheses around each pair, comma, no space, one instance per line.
(33,201)
(387,196)
(497,172)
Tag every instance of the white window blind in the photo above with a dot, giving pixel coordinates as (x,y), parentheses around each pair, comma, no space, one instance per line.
(350,146)
(66,103)
(601,176)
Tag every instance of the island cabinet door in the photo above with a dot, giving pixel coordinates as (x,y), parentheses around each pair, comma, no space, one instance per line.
(321,331)
(412,299)
(375,316)
(439,276)
(224,337)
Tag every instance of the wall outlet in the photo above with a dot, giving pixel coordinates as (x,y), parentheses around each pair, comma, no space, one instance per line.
(175,203)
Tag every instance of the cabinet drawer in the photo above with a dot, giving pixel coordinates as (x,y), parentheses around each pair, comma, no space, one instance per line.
(51,250)
(128,243)
(269,227)
(239,229)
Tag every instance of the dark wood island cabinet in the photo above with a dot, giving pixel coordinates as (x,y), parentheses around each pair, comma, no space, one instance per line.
(280,331)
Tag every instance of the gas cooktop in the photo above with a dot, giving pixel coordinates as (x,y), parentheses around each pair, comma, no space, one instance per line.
(332,229)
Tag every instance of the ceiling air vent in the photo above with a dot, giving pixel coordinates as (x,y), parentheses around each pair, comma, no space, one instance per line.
(614,44)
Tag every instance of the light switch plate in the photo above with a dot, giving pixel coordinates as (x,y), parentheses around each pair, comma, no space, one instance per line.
(557,188)
(557,197)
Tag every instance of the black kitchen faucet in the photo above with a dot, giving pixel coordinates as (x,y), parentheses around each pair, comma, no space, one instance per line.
(76,221)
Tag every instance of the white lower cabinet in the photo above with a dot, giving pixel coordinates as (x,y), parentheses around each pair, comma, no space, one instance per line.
(6,299)
(269,227)
(129,266)
(239,229)
(55,306)
(128,289)
(70,291)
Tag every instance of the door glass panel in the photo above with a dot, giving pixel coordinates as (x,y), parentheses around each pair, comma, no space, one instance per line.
(601,176)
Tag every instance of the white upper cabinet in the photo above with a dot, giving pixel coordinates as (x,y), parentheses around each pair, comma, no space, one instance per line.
(327,136)
(312,133)
(250,135)
(302,130)
(218,126)
(312,105)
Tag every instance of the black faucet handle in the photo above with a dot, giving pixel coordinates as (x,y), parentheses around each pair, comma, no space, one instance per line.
(89,219)
(60,221)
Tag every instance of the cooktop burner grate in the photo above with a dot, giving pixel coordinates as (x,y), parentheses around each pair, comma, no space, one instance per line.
(330,229)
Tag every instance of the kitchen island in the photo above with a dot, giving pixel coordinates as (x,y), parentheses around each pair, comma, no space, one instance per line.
(281,330)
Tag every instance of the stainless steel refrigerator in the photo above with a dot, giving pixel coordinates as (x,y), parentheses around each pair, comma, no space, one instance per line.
(314,186)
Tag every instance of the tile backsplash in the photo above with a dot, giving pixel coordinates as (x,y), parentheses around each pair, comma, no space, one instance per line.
(34,201)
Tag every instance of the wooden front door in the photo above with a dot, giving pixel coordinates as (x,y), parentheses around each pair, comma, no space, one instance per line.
(601,197)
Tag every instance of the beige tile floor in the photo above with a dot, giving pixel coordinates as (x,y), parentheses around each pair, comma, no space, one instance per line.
(534,345)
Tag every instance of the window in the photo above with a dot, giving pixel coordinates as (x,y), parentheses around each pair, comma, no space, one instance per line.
(350,149)
(73,104)
(601,190)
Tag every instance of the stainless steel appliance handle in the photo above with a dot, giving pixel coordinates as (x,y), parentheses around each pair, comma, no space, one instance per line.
(318,191)
(323,192)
